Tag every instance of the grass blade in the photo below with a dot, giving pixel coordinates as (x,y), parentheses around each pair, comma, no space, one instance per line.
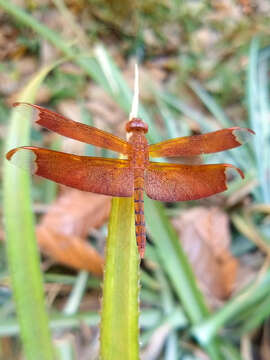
(205,331)
(258,106)
(22,252)
(77,293)
(57,322)
(177,267)
(210,103)
(119,318)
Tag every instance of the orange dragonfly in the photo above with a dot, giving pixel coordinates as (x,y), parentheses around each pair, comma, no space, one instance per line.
(136,174)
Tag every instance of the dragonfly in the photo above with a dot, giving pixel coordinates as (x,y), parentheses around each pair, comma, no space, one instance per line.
(135,174)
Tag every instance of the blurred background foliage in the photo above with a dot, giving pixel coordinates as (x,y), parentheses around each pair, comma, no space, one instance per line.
(204,65)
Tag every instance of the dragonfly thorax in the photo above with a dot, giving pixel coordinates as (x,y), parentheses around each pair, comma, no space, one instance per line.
(136,124)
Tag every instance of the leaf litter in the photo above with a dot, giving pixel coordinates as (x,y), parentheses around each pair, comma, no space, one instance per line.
(63,230)
(205,237)
(205,233)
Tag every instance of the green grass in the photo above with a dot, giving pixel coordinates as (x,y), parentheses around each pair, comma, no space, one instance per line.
(22,252)
(201,92)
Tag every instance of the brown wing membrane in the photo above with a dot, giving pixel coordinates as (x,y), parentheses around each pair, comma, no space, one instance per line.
(78,131)
(170,182)
(202,144)
(98,175)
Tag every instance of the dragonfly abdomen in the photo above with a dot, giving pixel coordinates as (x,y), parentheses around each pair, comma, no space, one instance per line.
(139,214)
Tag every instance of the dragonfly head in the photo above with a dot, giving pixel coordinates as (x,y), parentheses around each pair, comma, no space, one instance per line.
(136,124)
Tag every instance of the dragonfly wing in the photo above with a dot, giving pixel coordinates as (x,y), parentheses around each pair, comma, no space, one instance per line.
(78,131)
(173,182)
(98,175)
(202,144)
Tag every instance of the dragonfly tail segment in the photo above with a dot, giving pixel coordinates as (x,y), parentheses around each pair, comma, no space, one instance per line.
(139,215)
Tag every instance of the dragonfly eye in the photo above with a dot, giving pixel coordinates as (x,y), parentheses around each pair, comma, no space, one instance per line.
(136,124)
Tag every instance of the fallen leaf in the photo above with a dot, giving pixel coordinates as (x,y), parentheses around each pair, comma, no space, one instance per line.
(76,212)
(70,250)
(63,230)
(205,237)
(9,47)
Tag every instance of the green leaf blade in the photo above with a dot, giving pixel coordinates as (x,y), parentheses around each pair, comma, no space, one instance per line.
(22,251)
(120,308)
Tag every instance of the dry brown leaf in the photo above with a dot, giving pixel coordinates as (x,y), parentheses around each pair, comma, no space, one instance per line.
(246,273)
(62,231)
(69,250)
(205,237)
(9,48)
(226,9)
(76,212)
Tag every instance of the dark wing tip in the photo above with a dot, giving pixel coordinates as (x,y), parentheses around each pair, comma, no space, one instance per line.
(231,170)
(251,131)
(18,103)
(10,153)
(23,157)
(242,135)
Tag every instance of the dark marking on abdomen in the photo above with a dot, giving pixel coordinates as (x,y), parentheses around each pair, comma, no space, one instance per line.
(139,223)
(141,234)
(139,212)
